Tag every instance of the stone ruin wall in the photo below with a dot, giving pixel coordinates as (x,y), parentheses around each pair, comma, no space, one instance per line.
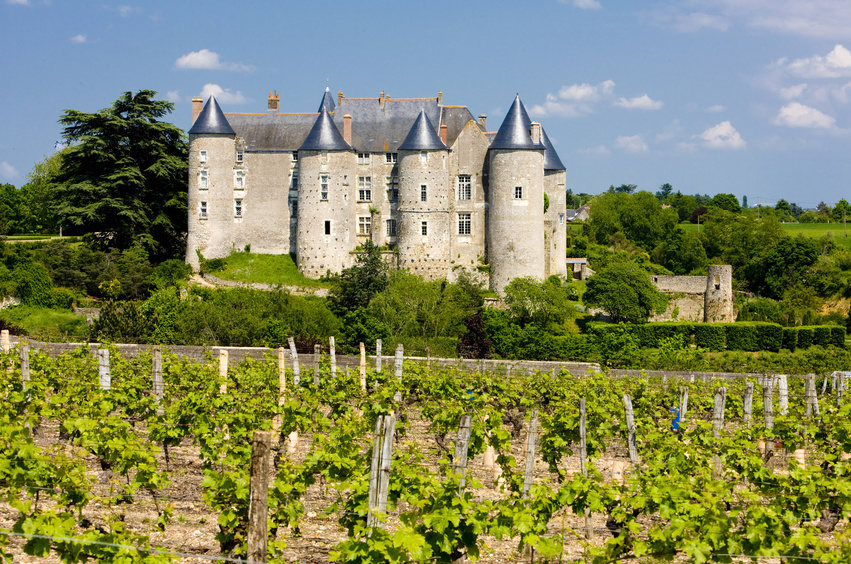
(686,295)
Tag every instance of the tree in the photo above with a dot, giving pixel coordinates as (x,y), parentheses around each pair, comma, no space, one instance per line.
(124,175)
(744,202)
(664,191)
(39,195)
(639,217)
(625,292)
(841,211)
(681,253)
(727,202)
(357,285)
(624,188)
(784,210)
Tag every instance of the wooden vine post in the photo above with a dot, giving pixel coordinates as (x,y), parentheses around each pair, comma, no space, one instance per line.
(782,394)
(529,474)
(400,360)
(294,354)
(840,388)
(104,376)
(718,423)
(362,367)
(462,444)
(583,455)
(157,377)
(683,403)
(282,386)
(259,496)
(378,355)
(25,364)
(630,429)
(223,371)
(379,475)
(768,412)
(747,403)
(332,351)
(317,353)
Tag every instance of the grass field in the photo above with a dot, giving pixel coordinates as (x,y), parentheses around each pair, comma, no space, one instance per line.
(806,229)
(265,269)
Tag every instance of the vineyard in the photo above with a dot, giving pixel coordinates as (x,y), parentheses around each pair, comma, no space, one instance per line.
(155,458)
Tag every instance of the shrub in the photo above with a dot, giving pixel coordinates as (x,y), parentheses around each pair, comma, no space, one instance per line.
(33,285)
(742,337)
(711,336)
(821,336)
(805,337)
(790,338)
(837,337)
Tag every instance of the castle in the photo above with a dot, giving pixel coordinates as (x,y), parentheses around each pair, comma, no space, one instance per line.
(414,175)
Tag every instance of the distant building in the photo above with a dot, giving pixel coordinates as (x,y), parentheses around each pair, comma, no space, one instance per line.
(417,176)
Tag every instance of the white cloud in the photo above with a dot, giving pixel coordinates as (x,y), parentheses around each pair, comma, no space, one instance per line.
(794,91)
(7,170)
(717,108)
(670,132)
(19,3)
(723,136)
(599,150)
(835,64)
(173,96)
(206,59)
(78,39)
(574,100)
(583,4)
(799,115)
(697,21)
(631,144)
(223,95)
(643,102)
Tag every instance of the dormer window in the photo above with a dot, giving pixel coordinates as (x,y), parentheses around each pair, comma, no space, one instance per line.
(363,158)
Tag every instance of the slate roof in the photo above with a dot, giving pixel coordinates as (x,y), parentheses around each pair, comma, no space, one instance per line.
(324,136)
(327,102)
(211,121)
(514,131)
(551,160)
(422,136)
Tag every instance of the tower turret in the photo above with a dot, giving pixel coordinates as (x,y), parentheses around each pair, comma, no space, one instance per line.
(555,227)
(718,300)
(214,204)
(326,224)
(515,236)
(425,195)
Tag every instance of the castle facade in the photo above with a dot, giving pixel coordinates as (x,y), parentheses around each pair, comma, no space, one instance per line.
(414,175)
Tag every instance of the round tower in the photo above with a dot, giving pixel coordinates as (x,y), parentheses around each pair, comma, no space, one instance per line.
(555,228)
(515,237)
(718,300)
(326,232)
(425,194)
(212,199)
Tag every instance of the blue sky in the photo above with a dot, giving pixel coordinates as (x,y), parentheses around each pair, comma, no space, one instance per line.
(744,96)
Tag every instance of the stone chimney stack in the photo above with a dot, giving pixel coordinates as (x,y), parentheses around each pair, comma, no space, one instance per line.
(381,99)
(197,106)
(443,133)
(274,102)
(483,121)
(440,97)
(536,132)
(340,97)
(347,128)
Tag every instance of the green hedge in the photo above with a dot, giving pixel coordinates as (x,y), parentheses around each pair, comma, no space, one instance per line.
(710,336)
(837,336)
(821,336)
(790,338)
(805,337)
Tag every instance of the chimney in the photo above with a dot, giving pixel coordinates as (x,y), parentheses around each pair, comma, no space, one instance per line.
(536,132)
(347,128)
(340,97)
(483,121)
(440,97)
(274,102)
(381,99)
(443,133)
(197,106)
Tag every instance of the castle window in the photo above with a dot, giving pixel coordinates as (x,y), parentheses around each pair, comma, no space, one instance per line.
(390,157)
(423,192)
(324,156)
(364,188)
(561,219)
(294,214)
(237,208)
(295,156)
(203,210)
(240,180)
(202,180)
(327,226)
(465,187)
(364,225)
(464,221)
(518,192)
(717,282)
(323,187)
(423,157)
(392,187)
(424,228)
(391,227)
(294,183)
(203,156)
(363,158)
(239,156)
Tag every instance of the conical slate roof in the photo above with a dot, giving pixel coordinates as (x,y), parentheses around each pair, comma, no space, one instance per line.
(551,160)
(211,121)
(324,136)
(422,136)
(327,102)
(514,131)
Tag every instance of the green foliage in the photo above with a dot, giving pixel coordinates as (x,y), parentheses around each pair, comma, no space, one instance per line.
(32,284)
(727,202)
(124,175)
(737,238)
(625,293)
(259,268)
(782,266)
(682,253)
(169,273)
(357,285)
(710,336)
(638,217)
(550,305)
(790,338)
(805,337)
